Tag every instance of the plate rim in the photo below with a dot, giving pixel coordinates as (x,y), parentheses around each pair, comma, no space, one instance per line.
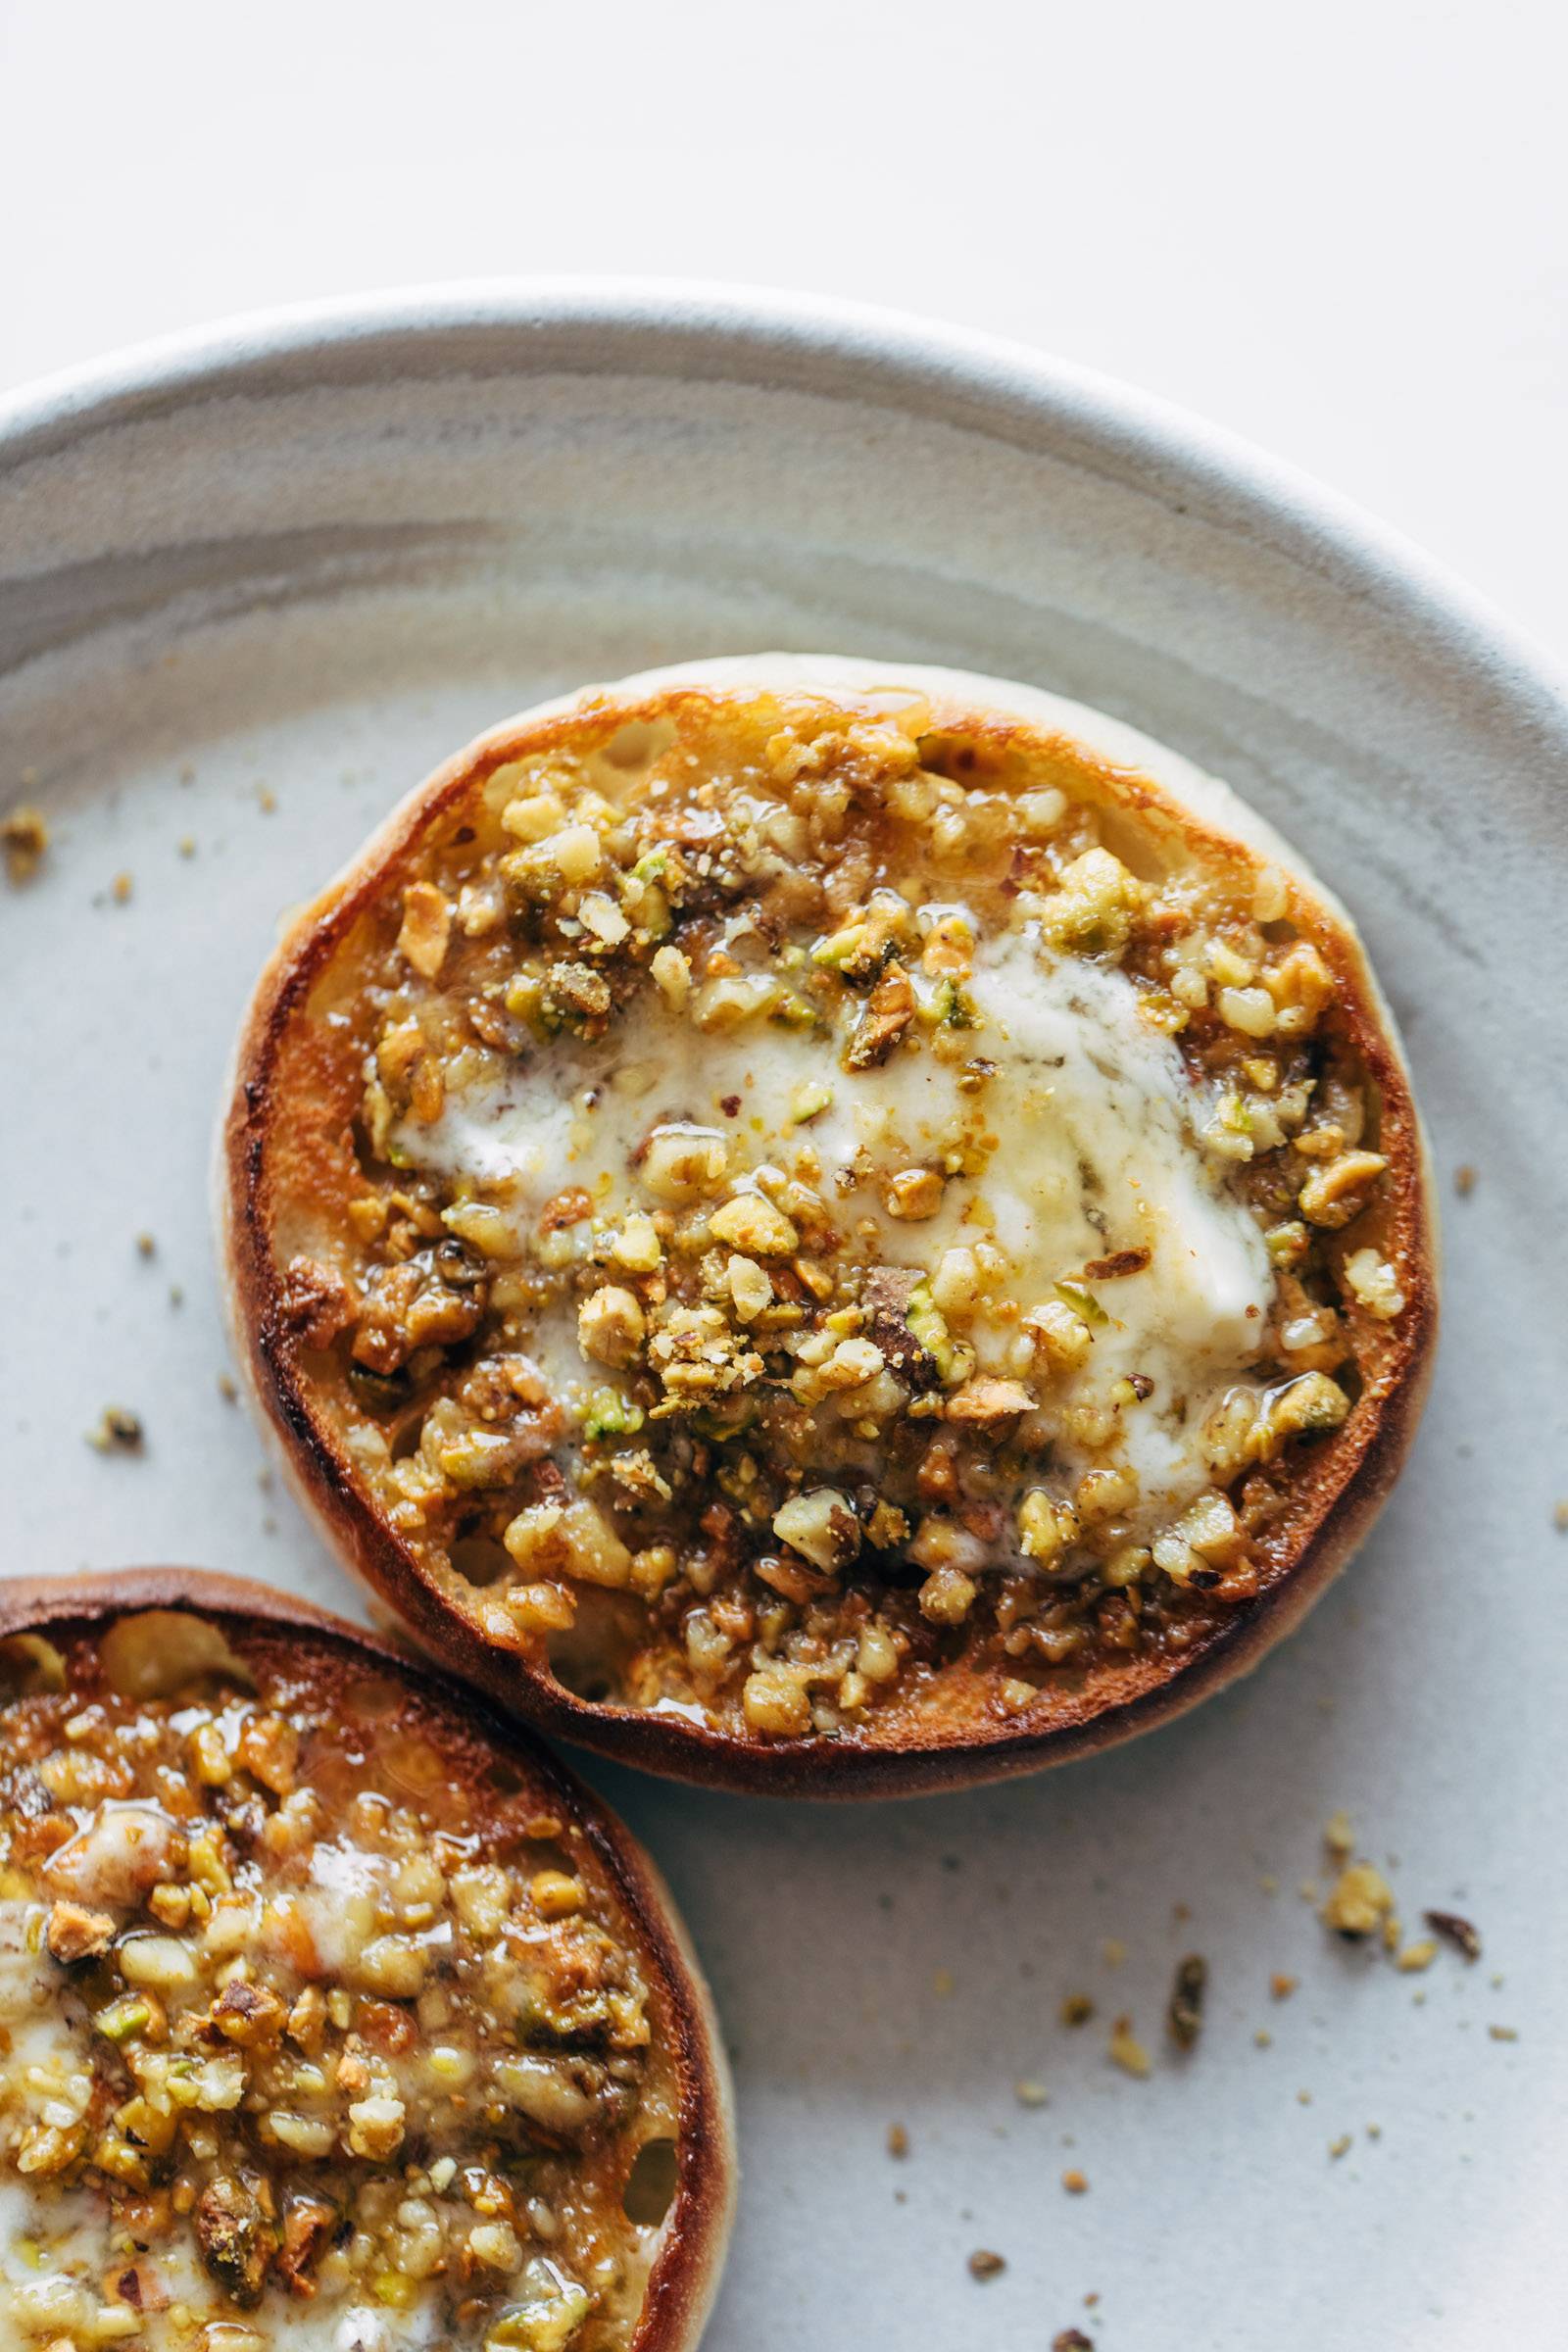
(755,336)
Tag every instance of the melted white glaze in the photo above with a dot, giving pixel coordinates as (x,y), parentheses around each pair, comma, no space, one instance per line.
(1094,1151)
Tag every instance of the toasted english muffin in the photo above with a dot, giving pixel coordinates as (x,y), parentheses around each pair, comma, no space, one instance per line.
(833,1227)
(335,2014)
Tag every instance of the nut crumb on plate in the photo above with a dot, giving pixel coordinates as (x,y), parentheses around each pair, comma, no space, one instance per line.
(1461,1932)
(116,1431)
(24,838)
(1126,2050)
(1185,2015)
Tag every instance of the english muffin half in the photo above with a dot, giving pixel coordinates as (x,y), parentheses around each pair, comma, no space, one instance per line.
(335,2014)
(831,1227)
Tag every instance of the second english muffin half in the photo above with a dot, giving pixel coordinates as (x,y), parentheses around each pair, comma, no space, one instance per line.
(831,1227)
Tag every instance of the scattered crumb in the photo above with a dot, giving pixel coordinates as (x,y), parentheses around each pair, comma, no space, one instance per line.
(117,1431)
(941,1983)
(1282,1986)
(1392,1931)
(1113,1952)
(1374,2131)
(1126,2050)
(1504,2033)
(177,1295)
(1181,1913)
(266,799)
(1077,2009)
(1072,2340)
(1269,1883)
(1075,2182)
(898,2140)
(188,773)
(26,837)
(1359,1902)
(146,1247)
(1304,2098)
(1416,1956)
(1340,2147)
(1559,1516)
(983,2264)
(120,889)
(186,845)
(1185,2015)
(228,1388)
(1309,1890)
(1464,1181)
(1263,2038)
(1338,1834)
(1030,2094)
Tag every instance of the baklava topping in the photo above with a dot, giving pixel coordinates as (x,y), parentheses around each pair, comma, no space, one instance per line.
(802,1197)
(317,2030)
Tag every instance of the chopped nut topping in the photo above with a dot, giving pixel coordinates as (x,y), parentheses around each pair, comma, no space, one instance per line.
(340,2026)
(426,928)
(769,1173)
(74,1933)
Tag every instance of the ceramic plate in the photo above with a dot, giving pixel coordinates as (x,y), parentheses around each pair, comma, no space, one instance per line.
(250,590)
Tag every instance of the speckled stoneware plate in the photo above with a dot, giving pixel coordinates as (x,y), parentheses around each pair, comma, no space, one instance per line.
(250,590)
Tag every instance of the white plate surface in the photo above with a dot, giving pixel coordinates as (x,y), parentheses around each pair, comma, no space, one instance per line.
(249,592)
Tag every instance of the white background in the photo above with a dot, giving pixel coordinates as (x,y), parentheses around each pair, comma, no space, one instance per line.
(1339,231)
